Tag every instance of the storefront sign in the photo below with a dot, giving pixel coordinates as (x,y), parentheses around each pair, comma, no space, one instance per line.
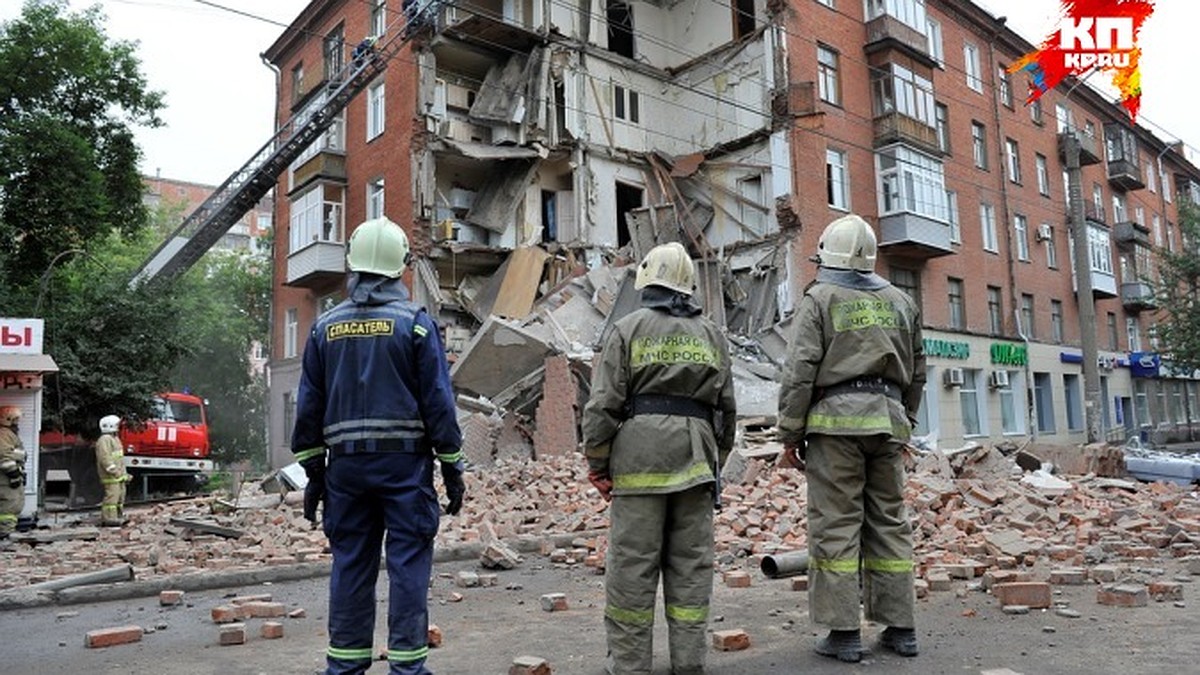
(947,349)
(1009,354)
(21,336)
(1144,364)
(1103,361)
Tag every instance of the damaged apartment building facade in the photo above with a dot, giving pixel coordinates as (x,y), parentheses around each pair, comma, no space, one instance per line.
(534,149)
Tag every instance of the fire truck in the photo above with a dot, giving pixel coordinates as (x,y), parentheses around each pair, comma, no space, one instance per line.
(169,452)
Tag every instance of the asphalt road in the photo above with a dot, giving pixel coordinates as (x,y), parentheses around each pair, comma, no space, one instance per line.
(960,632)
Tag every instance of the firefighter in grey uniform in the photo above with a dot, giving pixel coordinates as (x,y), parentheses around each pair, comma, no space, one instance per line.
(658,426)
(852,384)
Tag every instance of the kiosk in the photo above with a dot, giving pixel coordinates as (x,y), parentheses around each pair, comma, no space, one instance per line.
(22,365)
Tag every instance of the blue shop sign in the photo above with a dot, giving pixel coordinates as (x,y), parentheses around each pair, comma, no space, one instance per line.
(1144,364)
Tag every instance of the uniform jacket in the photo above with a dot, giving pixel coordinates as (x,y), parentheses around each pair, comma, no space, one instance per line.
(654,351)
(375,377)
(852,325)
(109,454)
(10,450)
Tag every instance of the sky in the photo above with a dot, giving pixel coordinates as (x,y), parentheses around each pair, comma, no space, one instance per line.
(220,96)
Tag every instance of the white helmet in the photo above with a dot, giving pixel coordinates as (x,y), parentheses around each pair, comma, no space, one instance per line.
(848,243)
(9,415)
(378,246)
(669,266)
(109,424)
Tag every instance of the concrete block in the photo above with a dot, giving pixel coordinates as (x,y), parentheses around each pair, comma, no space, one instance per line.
(731,640)
(107,637)
(1033,594)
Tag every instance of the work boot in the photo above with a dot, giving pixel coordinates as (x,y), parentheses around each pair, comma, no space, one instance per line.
(903,641)
(844,645)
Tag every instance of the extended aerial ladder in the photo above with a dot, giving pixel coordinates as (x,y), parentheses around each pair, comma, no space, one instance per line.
(249,184)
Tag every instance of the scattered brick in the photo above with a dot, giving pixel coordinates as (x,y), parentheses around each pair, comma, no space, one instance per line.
(170,598)
(737,579)
(243,599)
(1104,573)
(1165,590)
(488,579)
(1123,595)
(731,640)
(554,602)
(226,614)
(434,636)
(1068,576)
(108,637)
(1033,594)
(800,583)
(297,613)
(466,579)
(939,581)
(232,634)
(263,610)
(529,665)
(271,630)
(921,588)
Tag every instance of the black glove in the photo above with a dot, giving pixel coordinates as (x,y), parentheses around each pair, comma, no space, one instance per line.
(314,491)
(16,477)
(452,479)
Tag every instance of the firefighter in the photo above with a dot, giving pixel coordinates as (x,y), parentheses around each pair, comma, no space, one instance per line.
(851,387)
(12,466)
(657,428)
(110,464)
(374,411)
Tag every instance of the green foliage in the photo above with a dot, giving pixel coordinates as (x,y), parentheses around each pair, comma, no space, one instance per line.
(69,99)
(1179,329)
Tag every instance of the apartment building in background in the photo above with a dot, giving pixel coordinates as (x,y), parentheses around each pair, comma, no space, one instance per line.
(578,135)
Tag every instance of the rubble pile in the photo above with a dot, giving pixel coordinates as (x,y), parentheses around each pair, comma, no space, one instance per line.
(975,512)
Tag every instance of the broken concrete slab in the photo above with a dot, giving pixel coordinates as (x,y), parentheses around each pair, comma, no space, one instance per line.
(499,355)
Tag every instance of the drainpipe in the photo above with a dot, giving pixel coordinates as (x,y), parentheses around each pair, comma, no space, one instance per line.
(1031,409)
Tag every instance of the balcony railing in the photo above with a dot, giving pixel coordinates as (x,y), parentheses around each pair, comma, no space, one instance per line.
(886,31)
(323,165)
(316,264)
(914,236)
(1131,233)
(1125,175)
(1137,296)
(1088,153)
(894,127)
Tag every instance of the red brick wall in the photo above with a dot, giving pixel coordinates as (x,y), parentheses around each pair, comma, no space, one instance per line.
(556,431)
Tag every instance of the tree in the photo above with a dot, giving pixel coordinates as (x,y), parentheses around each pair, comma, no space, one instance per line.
(1179,293)
(69,100)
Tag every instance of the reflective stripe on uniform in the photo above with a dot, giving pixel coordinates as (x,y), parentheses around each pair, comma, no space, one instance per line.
(890,565)
(349,653)
(407,655)
(7,518)
(844,565)
(450,458)
(826,423)
(112,481)
(311,452)
(639,617)
(377,429)
(687,614)
(628,481)
(420,330)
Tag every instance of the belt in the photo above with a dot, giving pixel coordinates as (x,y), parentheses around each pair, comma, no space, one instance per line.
(380,445)
(863,385)
(664,404)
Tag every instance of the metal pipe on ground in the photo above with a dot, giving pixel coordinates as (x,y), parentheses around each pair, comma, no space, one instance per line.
(787,564)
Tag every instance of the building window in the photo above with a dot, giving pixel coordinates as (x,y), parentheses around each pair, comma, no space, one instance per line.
(896,89)
(1101,252)
(335,48)
(377,24)
(952,213)
(912,182)
(909,12)
(933,32)
(1071,390)
(1027,327)
(837,180)
(620,28)
(1062,115)
(1113,345)
(1120,215)
(1035,112)
(1151,184)
(1141,401)
(289,416)
(743,18)
(1043,399)
(995,312)
(1013,152)
(626,104)
(315,216)
(1043,174)
(291,327)
(375,199)
(298,89)
(1010,419)
(1051,248)
(968,401)
(971,67)
(827,3)
(908,281)
(1004,82)
(942,113)
(1156,230)
(750,209)
(958,307)
(979,145)
(828,86)
(1139,215)
(987,226)
(1165,183)
(375,109)
(1021,235)
(1133,334)
(1056,321)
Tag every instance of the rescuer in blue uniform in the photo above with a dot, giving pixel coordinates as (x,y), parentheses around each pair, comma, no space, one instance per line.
(374,410)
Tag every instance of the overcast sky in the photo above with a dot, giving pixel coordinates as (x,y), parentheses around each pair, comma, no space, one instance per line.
(220,95)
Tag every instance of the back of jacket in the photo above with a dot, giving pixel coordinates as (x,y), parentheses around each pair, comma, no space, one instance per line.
(844,333)
(651,352)
(375,379)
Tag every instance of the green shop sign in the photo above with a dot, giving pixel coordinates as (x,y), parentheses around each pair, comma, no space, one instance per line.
(947,349)
(1008,354)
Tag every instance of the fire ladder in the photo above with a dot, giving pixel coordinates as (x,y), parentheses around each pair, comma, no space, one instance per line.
(249,184)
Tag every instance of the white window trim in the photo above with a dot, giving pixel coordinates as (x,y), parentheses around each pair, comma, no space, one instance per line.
(291,333)
(838,175)
(972,68)
(376,110)
(987,226)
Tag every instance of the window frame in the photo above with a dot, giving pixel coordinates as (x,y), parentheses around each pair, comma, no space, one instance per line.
(972,67)
(979,151)
(376,110)
(829,75)
(956,316)
(837,179)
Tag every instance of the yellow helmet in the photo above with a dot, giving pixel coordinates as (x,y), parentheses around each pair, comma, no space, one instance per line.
(9,415)
(669,266)
(378,246)
(848,243)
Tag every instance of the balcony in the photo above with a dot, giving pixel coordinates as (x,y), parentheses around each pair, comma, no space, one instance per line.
(914,236)
(1125,175)
(1130,233)
(324,165)
(316,264)
(894,127)
(1137,296)
(887,32)
(1093,213)
(1088,149)
(484,23)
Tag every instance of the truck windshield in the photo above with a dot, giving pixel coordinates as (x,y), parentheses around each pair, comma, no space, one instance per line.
(179,411)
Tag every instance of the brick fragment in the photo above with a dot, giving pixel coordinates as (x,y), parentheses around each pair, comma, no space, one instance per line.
(1068,576)
(232,634)
(737,579)
(271,630)
(1165,590)
(170,598)
(243,599)
(800,583)
(1104,573)
(466,579)
(731,640)
(434,636)
(1123,595)
(263,610)
(488,579)
(297,613)
(939,581)
(529,665)
(226,614)
(554,602)
(107,637)
(1033,594)
(921,588)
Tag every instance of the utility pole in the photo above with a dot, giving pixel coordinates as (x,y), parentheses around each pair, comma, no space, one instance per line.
(1092,405)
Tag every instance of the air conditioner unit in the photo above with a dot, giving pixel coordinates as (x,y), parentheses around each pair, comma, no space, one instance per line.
(953,377)
(1044,232)
(999,379)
